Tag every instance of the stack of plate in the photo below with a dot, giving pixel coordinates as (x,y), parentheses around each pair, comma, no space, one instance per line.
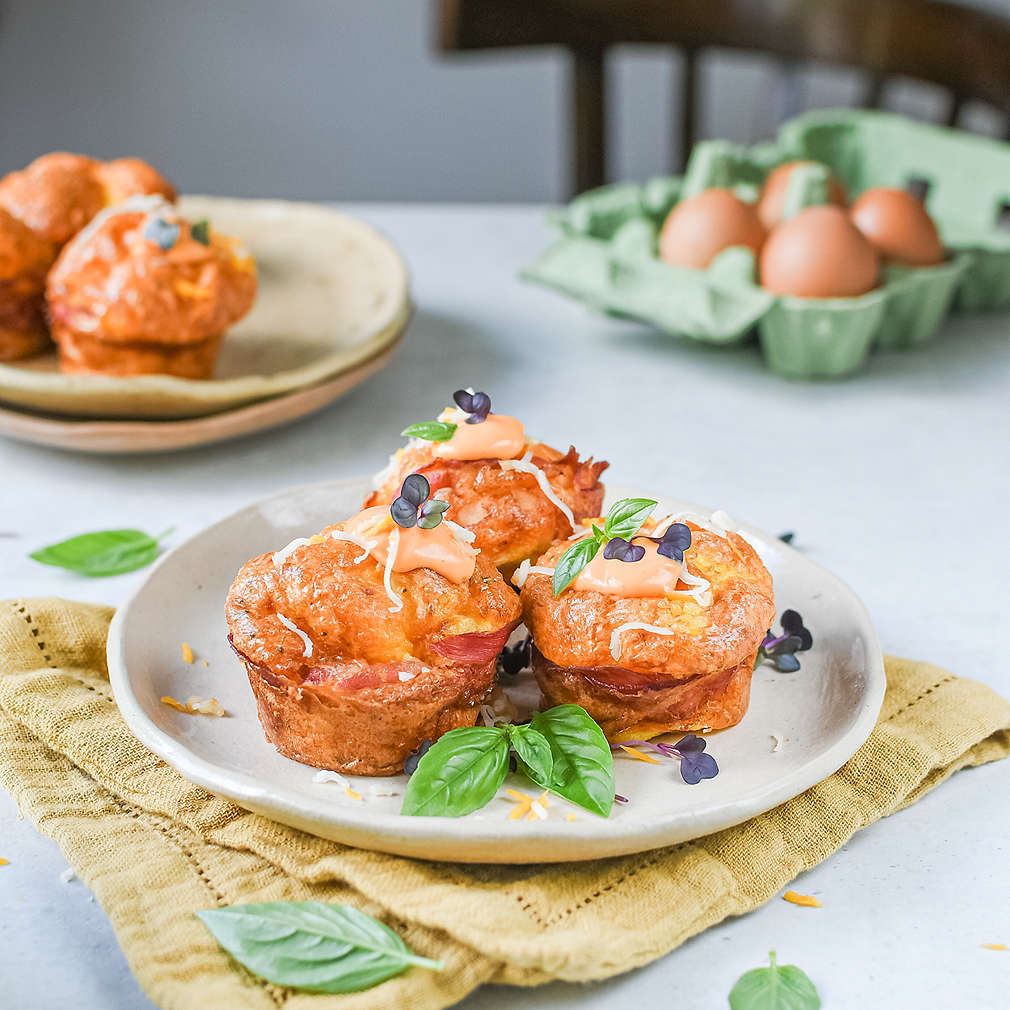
(333,301)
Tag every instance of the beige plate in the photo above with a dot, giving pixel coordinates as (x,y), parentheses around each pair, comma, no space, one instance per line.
(821,715)
(167,436)
(333,294)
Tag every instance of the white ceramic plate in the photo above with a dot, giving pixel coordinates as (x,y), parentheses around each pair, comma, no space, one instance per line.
(333,294)
(822,714)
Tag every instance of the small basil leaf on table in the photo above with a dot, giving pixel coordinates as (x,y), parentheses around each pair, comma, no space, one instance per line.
(107,552)
(312,945)
(459,774)
(626,516)
(533,751)
(430,431)
(777,987)
(572,562)
(583,769)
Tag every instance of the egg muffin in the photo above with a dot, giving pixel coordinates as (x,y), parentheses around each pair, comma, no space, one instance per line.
(516,494)
(659,632)
(59,193)
(141,290)
(24,260)
(371,637)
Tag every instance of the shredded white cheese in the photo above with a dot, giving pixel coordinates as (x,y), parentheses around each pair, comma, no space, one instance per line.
(285,552)
(700,591)
(381,791)
(538,810)
(394,544)
(778,743)
(405,675)
(526,466)
(327,776)
(367,546)
(461,533)
(291,626)
(615,638)
(526,569)
(67,875)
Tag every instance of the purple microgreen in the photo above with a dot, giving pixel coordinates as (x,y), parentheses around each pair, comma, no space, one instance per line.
(200,231)
(413,507)
(411,762)
(164,234)
(697,766)
(781,649)
(431,431)
(691,743)
(477,405)
(793,624)
(415,488)
(623,522)
(432,512)
(620,799)
(675,540)
(620,549)
(787,537)
(515,658)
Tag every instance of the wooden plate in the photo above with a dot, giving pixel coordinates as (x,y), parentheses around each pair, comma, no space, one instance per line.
(333,294)
(165,436)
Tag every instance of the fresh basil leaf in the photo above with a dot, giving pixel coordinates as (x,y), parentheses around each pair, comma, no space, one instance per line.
(200,231)
(459,774)
(573,561)
(626,516)
(312,945)
(583,769)
(774,988)
(533,751)
(108,552)
(431,431)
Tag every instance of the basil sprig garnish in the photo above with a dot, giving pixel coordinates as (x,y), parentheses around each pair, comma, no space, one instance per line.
(312,945)
(200,231)
(108,552)
(623,521)
(431,431)
(583,769)
(460,773)
(777,987)
(562,750)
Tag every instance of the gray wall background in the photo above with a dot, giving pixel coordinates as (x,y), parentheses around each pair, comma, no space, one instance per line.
(348,100)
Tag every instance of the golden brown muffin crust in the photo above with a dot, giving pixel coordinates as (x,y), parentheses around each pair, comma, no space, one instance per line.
(574,629)
(506,509)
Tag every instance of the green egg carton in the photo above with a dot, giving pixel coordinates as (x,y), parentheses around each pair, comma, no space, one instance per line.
(967,179)
(606,252)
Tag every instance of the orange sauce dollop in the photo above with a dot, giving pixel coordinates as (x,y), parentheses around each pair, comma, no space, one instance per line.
(437,549)
(653,576)
(498,436)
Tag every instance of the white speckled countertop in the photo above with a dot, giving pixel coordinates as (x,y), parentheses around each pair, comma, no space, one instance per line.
(897,479)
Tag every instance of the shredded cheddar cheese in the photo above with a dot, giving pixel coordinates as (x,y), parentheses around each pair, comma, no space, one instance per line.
(639,756)
(4,862)
(187,653)
(195,705)
(570,817)
(807,900)
(995,946)
(351,793)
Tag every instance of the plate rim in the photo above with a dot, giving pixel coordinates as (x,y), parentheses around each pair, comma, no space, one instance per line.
(19,385)
(423,835)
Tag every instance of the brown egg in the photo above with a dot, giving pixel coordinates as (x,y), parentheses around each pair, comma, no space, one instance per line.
(819,253)
(773,196)
(702,226)
(898,226)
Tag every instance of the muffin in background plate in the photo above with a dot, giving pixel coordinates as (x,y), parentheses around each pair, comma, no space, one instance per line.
(59,193)
(25,258)
(143,291)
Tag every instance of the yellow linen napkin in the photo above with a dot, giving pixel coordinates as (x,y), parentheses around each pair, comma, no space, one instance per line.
(155,849)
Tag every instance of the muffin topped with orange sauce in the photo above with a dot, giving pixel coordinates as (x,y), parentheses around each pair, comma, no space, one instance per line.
(651,627)
(141,290)
(517,495)
(377,634)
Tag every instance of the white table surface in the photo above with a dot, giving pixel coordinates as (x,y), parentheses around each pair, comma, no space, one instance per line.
(897,479)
